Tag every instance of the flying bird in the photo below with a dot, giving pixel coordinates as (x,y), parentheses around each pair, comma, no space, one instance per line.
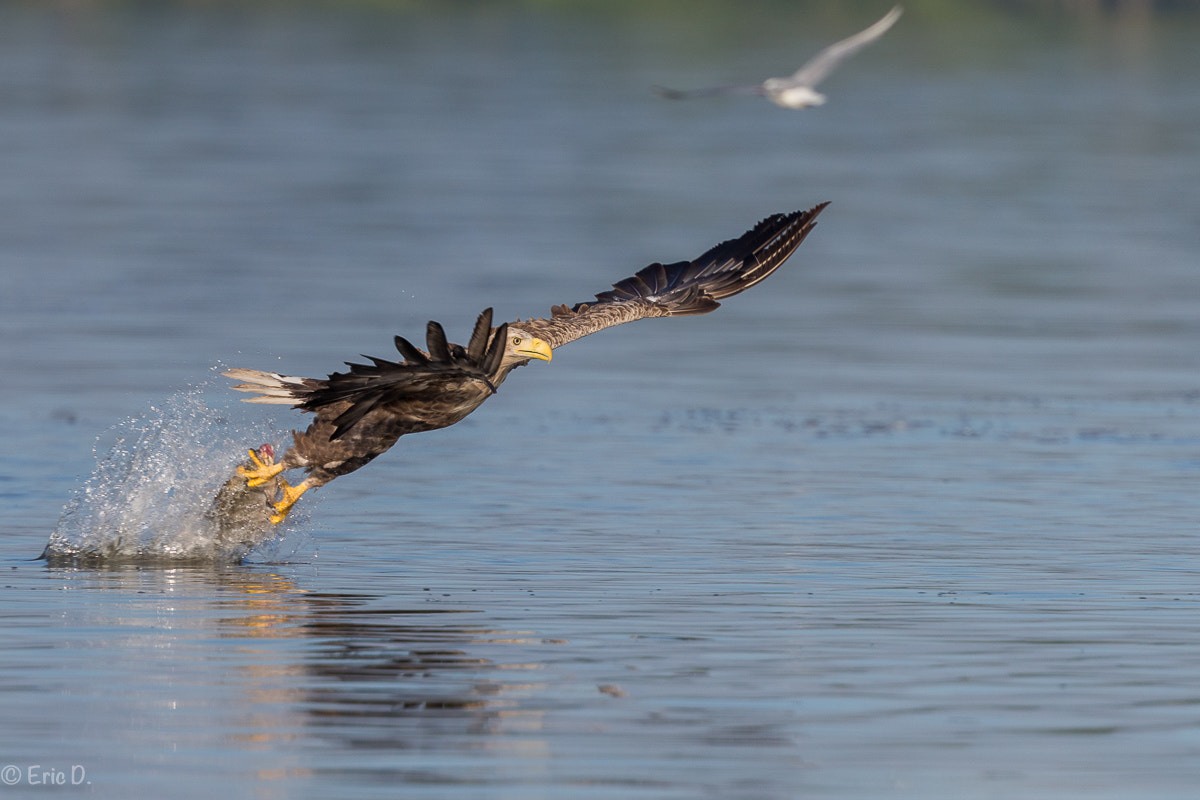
(798,90)
(363,412)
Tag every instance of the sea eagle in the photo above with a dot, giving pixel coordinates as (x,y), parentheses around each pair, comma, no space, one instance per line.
(361,413)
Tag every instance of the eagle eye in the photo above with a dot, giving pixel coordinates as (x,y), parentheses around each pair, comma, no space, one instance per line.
(516,340)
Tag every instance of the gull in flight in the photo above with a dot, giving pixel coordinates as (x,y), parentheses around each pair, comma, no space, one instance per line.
(796,91)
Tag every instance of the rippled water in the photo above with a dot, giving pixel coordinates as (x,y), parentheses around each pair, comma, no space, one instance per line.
(915,518)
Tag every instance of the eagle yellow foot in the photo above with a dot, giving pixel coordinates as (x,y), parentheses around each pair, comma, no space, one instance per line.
(261,473)
(290,495)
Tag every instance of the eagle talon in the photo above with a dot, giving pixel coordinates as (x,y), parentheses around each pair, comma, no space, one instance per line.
(288,499)
(261,473)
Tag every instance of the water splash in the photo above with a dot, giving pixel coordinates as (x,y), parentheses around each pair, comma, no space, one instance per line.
(151,495)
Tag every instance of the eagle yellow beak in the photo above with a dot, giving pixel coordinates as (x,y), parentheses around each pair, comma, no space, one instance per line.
(535,348)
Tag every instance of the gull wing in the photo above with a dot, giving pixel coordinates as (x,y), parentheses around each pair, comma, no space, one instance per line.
(824,62)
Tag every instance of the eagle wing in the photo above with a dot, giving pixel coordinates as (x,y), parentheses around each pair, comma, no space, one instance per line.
(447,375)
(683,288)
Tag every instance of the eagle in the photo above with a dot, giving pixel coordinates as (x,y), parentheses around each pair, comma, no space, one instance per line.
(361,413)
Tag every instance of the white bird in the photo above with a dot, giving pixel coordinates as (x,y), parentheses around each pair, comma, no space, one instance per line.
(796,91)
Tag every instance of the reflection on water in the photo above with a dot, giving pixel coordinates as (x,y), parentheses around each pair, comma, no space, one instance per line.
(391,678)
(354,670)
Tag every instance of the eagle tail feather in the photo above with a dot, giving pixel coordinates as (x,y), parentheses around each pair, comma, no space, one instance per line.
(271,387)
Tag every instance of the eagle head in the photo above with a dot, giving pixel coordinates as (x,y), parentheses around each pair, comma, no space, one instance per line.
(521,346)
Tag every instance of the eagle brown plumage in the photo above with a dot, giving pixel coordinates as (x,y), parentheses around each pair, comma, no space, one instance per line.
(363,412)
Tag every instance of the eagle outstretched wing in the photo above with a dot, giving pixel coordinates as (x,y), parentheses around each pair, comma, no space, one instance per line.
(683,288)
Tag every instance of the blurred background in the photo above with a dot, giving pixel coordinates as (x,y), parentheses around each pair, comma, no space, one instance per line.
(913,518)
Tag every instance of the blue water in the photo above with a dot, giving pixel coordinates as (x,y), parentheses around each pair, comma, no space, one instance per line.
(914,518)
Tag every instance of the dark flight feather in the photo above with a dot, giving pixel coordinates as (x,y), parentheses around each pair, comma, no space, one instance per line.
(420,378)
(685,287)
(479,337)
(411,354)
(435,341)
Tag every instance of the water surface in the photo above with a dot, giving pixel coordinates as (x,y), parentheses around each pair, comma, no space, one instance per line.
(912,519)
